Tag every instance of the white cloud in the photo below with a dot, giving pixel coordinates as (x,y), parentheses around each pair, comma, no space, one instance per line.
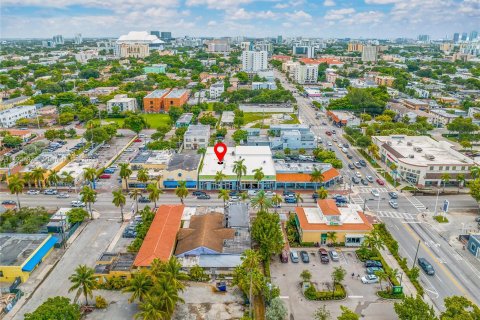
(381,1)
(299,16)
(212,23)
(281,5)
(242,14)
(329,3)
(338,14)
(217,4)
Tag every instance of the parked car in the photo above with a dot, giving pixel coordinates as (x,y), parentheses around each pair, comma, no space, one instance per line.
(143,200)
(349,156)
(252,192)
(364,182)
(270,193)
(393,195)
(373,263)
(290,200)
(426,266)
(294,256)
(304,256)
(33,192)
(369,178)
(351,167)
(315,196)
(362,163)
(231,193)
(8,202)
(109,171)
(393,204)
(198,193)
(204,196)
(380,182)
(358,174)
(369,278)
(284,256)
(288,192)
(329,144)
(372,270)
(50,192)
(334,255)
(323,256)
(63,195)
(357,165)
(137,140)
(78,204)
(375,193)
(355,180)
(235,198)
(105,176)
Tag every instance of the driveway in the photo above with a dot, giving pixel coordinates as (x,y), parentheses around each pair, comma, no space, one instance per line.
(361,298)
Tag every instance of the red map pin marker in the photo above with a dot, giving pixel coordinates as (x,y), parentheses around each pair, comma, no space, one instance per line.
(220,150)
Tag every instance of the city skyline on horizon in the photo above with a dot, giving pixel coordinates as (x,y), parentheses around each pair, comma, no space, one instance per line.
(381,19)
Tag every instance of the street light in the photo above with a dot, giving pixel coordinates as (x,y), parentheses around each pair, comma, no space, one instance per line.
(436,202)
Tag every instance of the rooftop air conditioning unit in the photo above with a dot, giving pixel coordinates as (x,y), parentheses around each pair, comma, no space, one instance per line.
(409,143)
(389,143)
(411,156)
(430,156)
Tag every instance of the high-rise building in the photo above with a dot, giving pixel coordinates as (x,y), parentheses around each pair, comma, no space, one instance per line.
(473,35)
(218,45)
(369,54)
(308,51)
(78,38)
(254,60)
(279,39)
(58,39)
(305,73)
(424,38)
(155,33)
(355,47)
(464,36)
(456,37)
(166,36)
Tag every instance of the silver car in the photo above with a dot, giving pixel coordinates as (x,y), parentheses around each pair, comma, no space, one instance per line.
(393,204)
(370,278)
(334,255)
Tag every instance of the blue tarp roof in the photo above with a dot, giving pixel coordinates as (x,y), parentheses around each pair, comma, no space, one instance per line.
(38,256)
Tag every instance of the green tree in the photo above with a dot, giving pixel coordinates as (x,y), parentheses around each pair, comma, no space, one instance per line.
(258,175)
(65,118)
(89,196)
(76,215)
(83,280)
(119,200)
(261,201)
(154,193)
(322,193)
(267,233)
(151,309)
(445,177)
(89,174)
(239,136)
(332,236)
(306,275)
(411,308)
(11,141)
(135,194)
(458,307)
(276,310)
(16,185)
(139,286)
(125,173)
(347,314)
(338,275)
(224,195)
(38,175)
(363,142)
(298,198)
(460,181)
(316,176)
(219,178)
(67,178)
(382,276)
(56,308)
(475,172)
(197,273)
(142,176)
(53,178)
(240,169)
(322,313)
(181,191)
(136,123)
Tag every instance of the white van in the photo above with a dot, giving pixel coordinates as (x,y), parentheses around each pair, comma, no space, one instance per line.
(252,192)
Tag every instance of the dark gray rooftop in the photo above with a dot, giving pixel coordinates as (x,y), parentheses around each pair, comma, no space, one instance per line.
(238,217)
(15,248)
(185,161)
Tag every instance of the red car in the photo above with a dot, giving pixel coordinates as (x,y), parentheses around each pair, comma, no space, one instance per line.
(380,182)
(137,140)
(105,176)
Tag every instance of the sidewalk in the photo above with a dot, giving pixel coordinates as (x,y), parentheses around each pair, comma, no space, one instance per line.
(408,288)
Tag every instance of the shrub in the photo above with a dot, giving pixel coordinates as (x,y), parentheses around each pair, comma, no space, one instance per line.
(114,283)
(312,294)
(100,302)
(441,219)
(388,295)
(307,244)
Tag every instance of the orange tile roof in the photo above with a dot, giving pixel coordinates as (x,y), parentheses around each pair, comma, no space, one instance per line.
(321,60)
(328,207)
(15,132)
(161,237)
(305,177)
(323,227)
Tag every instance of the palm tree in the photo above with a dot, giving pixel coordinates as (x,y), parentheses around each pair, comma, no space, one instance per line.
(125,173)
(219,178)
(119,200)
(445,177)
(460,181)
(475,172)
(322,193)
(181,191)
(167,293)
(151,309)
(67,178)
(374,241)
(89,174)
(316,176)
(258,175)
(392,275)
(172,271)
(53,178)
(261,202)
(139,286)
(154,192)
(142,175)
(240,170)
(224,195)
(84,281)
(89,196)
(135,194)
(27,176)
(38,175)
(332,236)
(244,196)
(16,185)
(276,200)
(298,198)
(382,276)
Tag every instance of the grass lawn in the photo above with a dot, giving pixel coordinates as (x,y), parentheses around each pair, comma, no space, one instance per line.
(294,120)
(155,120)
(441,219)
(254,116)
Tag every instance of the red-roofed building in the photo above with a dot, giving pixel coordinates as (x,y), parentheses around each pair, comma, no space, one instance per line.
(281,58)
(329,61)
(293,180)
(349,223)
(159,243)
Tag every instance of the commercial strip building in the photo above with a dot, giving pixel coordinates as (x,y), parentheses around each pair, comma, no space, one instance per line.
(415,104)
(343,118)
(114,265)
(122,102)
(9,117)
(296,176)
(349,223)
(21,253)
(422,161)
(181,167)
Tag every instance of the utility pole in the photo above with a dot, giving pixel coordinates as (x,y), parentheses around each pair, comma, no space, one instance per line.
(436,202)
(416,254)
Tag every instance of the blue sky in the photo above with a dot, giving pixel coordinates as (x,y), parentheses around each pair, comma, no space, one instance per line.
(309,18)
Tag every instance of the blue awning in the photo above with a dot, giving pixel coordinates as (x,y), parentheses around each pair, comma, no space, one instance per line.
(39,255)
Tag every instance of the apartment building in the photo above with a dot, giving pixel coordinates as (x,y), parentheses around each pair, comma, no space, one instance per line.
(254,60)
(218,45)
(216,90)
(369,53)
(154,101)
(123,102)
(9,117)
(415,104)
(306,73)
(384,80)
(355,47)
(196,137)
(176,98)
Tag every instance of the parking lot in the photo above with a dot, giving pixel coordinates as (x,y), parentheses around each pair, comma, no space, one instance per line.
(361,298)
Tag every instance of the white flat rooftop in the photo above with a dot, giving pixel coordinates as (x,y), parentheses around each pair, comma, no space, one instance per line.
(348,214)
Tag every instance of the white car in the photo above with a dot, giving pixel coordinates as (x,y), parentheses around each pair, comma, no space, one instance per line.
(252,192)
(235,198)
(358,174)
(375,193)
(270,194)
(393,204)
(329,144)
(33,192)
(63,195)
(370,278)
(78,204)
